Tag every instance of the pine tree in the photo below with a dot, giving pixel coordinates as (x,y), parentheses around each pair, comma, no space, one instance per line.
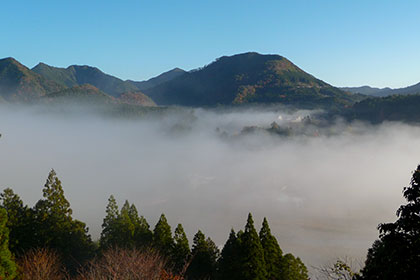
(55,228)
(293,268)
(252,257)
(229,263)
(272,252)
(7,265)
(19,222)
(162,237)
(204,258)
(110,224)
(55,203)
(142,234)
(396,255)
(181,252)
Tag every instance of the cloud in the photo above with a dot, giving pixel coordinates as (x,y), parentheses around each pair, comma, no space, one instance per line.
(323,196)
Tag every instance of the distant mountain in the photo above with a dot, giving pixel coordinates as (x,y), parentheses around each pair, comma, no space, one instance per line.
(19,83)
(88,94)
(136,98)
(162,78)
(249,78)
(367,90)
(381,92)
(78,75)
(390,108)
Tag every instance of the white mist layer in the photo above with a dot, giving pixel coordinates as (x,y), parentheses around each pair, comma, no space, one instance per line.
(323,196)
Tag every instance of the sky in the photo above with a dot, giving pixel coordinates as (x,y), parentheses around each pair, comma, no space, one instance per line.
(345,43)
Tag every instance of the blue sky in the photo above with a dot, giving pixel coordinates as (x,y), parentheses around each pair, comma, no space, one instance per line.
(344,42)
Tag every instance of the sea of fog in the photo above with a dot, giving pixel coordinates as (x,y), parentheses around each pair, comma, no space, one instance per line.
(323,196)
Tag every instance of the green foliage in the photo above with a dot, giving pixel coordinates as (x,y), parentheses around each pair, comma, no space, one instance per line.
(7,265)
(293,268)
(20,222)
(396,255)
(253,264)
(390,108)
(54,227)
(272,252)
(181,252)
(124,228)
(204,258)
(162,236)
(229,262)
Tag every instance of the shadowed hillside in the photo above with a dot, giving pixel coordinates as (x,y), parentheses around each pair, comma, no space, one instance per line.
(249,78)
(19,83)
(162,78)
(78,75)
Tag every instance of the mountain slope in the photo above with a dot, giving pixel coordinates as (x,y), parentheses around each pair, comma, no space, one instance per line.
(19,83)
(88,94)
(381,92)
(78,75)
(249,78)
(162,78)
(80,94)
(390,108)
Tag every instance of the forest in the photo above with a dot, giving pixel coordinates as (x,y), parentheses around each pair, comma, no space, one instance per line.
(46,242)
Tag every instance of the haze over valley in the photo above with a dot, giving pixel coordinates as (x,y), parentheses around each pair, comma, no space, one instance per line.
(210,140)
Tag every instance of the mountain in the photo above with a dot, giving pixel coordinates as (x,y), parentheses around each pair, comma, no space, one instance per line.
(390,108)
(136,98)
(367,90)
(88,94)
(80,94)
(162,78)
(78,75)
(381,92)
(19,83)
(249,78)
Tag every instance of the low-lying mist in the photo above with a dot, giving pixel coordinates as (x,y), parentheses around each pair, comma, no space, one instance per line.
(323,195)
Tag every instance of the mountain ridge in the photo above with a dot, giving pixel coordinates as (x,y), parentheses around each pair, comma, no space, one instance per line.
(248,78)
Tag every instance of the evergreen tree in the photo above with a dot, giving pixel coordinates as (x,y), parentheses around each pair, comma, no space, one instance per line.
(55,228)
(162,237)
(19,222)
(142,234)
(126,226)
(272,252)
(7,265)
(396,255)
(293,268)
(253,265)
(204,258)
(110,224)
(181,252)
(229,263)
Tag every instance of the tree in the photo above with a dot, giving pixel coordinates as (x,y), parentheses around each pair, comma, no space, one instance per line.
(181,252)
(124,228)
(396,255)
(272,252)
(293,268)
(204,258)
(142,234)
(7,265)
(110,224)
(229,263)
(56,229)
(162,237)
(253,263)
(19,222)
